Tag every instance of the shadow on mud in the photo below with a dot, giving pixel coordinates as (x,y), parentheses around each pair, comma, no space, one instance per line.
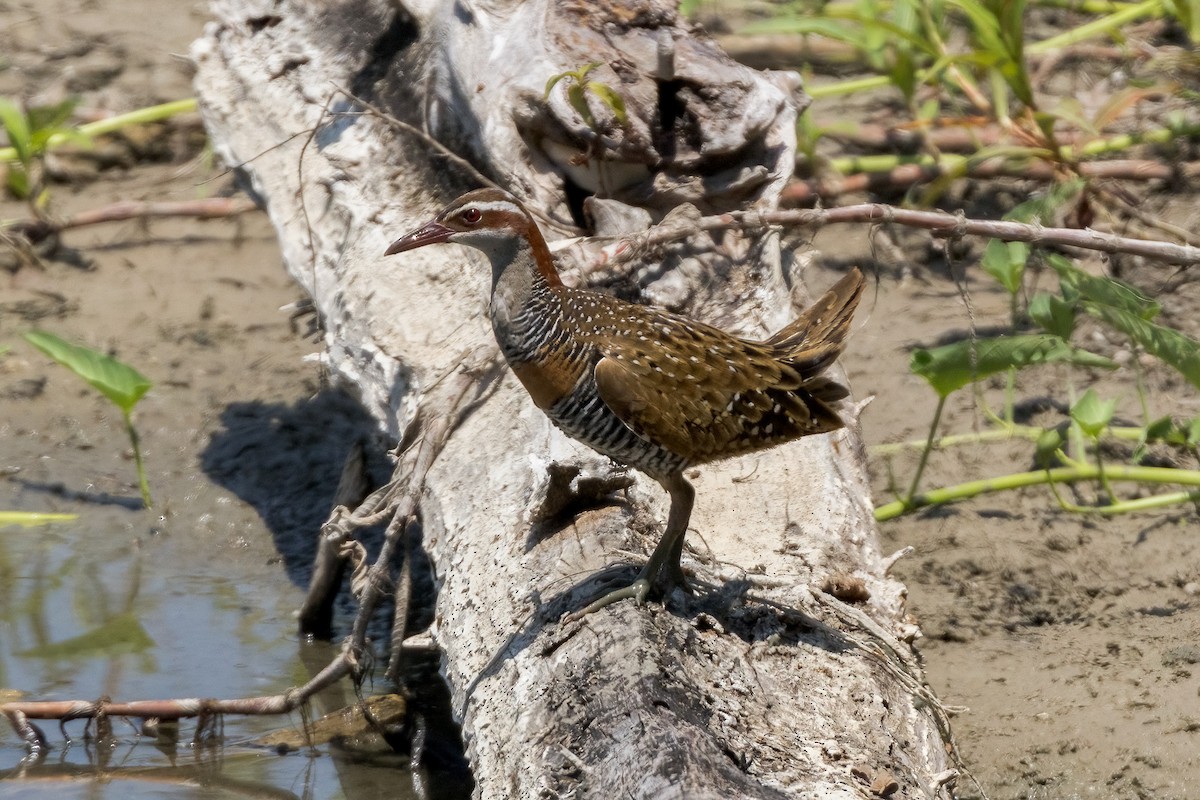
(285,461)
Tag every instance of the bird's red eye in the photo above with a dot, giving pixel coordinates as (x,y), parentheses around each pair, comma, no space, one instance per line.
(472,215)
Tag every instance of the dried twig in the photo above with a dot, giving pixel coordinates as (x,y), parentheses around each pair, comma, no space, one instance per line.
(38,230)
(940,223)
(19,713)
(316,613)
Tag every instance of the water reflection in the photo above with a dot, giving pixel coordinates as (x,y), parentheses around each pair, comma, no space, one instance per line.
(101,607)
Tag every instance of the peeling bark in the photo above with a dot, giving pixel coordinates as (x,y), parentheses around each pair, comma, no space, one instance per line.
(761,686)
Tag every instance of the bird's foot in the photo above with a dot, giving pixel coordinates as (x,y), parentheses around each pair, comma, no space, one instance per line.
(669,579)
(639,590)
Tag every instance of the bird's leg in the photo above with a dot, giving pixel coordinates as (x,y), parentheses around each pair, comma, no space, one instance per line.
(664,561)
(663,570)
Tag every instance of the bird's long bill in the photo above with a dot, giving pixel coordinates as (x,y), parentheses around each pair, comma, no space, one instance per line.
(430,233)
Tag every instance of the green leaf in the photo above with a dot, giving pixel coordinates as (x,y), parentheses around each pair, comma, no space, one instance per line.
(1103,291)
(17,182)
(1005,261)
(1162,429)
(1159,431)
(1042,208)
(953,366)
(1045,454)
(16,125)
(1053,314)
(550,84)
(119,382)
(1093,414)
(53,117)
(607,95)
(1193,432)
(1177,349)
(579,103)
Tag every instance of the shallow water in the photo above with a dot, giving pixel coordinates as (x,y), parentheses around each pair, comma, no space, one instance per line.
(91,608)
(87,611)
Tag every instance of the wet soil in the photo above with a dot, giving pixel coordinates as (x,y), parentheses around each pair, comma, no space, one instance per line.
(1069,643)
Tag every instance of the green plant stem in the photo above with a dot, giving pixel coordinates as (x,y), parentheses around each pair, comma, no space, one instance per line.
(1100,27)
(853,86)
(1178,130)
(1140,504)
(916,481)
(143,484)
(1085,7)
(1104,482)
(29,519)
(1082,472)
(100,127)
(1026,432)
(1127,506)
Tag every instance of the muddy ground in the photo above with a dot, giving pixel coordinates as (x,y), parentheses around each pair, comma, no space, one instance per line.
(1071,644)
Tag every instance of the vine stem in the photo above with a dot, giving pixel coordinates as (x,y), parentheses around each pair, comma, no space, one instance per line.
(1080,472)
(907,502)
(143,483)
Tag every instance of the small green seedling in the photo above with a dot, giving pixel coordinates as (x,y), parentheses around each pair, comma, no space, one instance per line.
(579,86)
(123,385)
(29,134)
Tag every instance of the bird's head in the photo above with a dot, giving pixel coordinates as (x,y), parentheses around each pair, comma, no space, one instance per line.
(487,219)
(490,220)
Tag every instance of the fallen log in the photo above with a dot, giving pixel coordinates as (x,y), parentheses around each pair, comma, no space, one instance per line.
(352,122)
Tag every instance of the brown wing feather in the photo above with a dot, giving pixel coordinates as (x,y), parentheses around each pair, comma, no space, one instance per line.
(702,393)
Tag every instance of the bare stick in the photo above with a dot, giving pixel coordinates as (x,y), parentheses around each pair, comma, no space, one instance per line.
(316,614)
(941,223)
(209,208)
(19,713)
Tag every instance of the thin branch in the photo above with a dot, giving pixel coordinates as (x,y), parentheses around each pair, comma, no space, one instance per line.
(36,230)
(940,223)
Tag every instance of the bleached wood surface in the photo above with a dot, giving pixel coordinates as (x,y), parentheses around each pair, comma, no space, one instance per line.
(756,688)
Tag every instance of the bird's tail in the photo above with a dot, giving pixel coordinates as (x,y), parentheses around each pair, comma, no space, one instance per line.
(817,337)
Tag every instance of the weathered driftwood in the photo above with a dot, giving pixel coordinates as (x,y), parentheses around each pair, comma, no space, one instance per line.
(762,686)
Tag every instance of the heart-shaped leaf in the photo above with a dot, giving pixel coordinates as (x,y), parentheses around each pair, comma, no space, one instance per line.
(1093,414)
(953,366)
(119,382)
